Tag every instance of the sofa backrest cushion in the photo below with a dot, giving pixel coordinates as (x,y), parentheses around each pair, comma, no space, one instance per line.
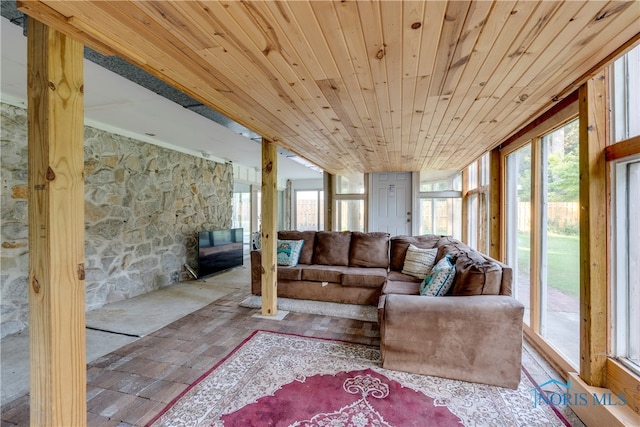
(400,244)
(332,248)
(369,249)
(309,237)
(475,273)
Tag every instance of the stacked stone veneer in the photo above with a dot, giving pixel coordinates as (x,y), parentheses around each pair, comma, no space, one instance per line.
(143,207)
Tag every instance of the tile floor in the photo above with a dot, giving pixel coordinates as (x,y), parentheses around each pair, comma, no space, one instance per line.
(130,385)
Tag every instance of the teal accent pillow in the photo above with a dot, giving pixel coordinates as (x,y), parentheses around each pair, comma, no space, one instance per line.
(439,281)
(288,252)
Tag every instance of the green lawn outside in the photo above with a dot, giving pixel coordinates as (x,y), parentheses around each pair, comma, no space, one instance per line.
(563,261)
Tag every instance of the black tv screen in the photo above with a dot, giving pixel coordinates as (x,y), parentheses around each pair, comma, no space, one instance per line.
(219,250)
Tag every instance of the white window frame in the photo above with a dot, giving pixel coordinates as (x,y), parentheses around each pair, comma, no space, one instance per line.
(620,284)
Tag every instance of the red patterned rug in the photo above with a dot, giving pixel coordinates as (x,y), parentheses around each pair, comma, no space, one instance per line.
(276,379)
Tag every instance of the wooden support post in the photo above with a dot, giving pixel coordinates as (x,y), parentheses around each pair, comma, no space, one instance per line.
(464,215)
(328,182)
(497,244)
(535,237)
(269,228)
(56,228)
(593,115)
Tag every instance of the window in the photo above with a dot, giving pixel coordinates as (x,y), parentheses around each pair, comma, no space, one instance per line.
(475,202)
(350,212)
(626,261)
(559,268)
(542,236)
(518,190)
(241,210)
(309,210)
(441,206)
(625,96)
(625,212)
(350,215)
(350,184)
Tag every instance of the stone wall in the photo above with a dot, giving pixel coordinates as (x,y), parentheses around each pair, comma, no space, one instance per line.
(143,207)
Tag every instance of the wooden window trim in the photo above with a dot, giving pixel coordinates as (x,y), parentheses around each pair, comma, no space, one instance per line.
(627,148)
(622,380)
(550,354)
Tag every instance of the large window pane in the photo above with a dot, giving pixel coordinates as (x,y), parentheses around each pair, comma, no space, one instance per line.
(350,215)
(560,250)
(633,299)
(441,216)
(350,184)
(472,175)
(626,96)
(453,183)
(626,261)
(519,224)
(309,210)
(241,215)
(472,214)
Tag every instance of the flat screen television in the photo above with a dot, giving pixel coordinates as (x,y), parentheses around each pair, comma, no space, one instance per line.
(219,250)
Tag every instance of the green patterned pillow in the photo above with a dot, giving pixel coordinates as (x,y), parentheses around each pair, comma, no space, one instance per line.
(288,252)
(439,281)
(418,262)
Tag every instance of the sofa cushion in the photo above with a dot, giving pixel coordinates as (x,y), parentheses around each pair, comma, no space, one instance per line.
(369,249)
(418,262)
(288,252)
(438,282)
(332,248)
(399,245)
(309,237)
(476,275)
(321,273)
(402,288)
(366,277)
(289,273)
(452,246)
(397,276)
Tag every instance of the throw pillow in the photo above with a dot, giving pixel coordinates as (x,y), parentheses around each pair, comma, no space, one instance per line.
(288,252)
(439,281)
(419,262)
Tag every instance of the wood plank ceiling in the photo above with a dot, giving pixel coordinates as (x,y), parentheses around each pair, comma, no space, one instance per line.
(362,86)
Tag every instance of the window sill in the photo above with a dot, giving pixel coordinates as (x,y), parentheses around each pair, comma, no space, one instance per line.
(620,379)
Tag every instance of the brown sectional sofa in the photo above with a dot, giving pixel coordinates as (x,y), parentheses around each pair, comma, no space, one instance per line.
(345,267)
(473,333)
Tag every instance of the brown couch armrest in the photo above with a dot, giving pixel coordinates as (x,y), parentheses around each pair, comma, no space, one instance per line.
(471,338)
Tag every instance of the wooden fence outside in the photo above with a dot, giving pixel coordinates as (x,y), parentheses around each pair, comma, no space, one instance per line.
(561,216)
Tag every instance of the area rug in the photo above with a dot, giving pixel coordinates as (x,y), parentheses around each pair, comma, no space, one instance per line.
(275,379)
(367,313)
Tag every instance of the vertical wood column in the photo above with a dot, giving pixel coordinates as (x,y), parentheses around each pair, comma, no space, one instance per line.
(535,236)
(269,227)
(464,215)
(288,207)
(497,243)
(56,228)
(593,230)
(328,181)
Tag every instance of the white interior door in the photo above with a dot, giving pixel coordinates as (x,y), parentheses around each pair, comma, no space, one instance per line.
(390,206)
